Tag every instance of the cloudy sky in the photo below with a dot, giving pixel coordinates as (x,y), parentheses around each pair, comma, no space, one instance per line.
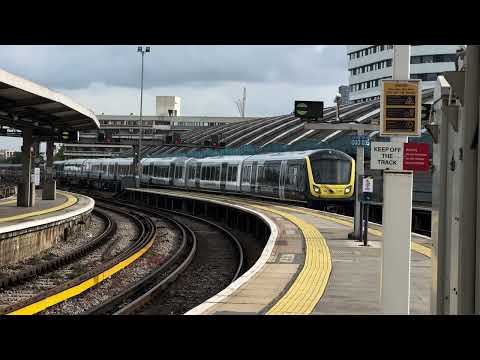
(209,79)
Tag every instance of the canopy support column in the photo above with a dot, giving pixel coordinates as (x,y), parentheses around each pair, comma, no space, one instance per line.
(25,196)
(50,185)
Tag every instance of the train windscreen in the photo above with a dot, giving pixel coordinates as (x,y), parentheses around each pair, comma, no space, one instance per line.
(331,171)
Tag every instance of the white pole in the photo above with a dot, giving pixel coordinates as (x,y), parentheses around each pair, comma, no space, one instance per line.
(397,217)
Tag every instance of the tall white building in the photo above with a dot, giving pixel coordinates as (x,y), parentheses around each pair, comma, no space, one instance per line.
(368,64)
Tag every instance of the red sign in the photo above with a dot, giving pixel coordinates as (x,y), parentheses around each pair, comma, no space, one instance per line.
(415,157)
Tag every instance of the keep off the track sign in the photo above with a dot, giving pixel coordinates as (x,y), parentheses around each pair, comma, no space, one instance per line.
(399,156)
(386,156)
(400,107)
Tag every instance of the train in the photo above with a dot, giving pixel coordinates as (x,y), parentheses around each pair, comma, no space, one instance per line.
(308,177)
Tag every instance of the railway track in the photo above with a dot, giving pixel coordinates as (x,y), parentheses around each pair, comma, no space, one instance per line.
(35,289)
(209,258)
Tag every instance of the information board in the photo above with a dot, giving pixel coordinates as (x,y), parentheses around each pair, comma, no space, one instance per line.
(399,156)
(400,107)
(37,176)
(308,109)
(415,157)
(360,140)
(367,186)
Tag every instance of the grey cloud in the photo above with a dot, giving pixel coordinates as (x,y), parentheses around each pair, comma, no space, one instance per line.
(76,67)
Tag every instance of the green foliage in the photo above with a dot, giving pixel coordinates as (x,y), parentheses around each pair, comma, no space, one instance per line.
(60,154)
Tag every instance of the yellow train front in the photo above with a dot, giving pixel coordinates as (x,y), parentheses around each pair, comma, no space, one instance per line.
(331,176)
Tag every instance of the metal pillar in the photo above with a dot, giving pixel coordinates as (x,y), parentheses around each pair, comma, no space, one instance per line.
(360,170)
(397,217)
(440,275)
(25,198)
(49,186)
(468,186)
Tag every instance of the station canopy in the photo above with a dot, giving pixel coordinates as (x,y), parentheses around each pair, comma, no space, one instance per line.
(24,104)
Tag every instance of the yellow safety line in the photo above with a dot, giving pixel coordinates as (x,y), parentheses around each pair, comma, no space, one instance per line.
(310,284)
(419,248)
(78,289)
(71,200)
(8,202)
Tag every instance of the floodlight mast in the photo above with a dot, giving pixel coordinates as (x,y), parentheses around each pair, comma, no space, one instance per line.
(138,155)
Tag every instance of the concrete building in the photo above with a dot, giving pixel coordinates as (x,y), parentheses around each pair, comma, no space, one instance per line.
(119,133)
(368,64)
(344,91)
(168,106)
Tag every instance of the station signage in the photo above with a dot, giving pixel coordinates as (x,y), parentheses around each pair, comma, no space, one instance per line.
(35,177)
(386,156)
(360,140)
(399,156)
(367,185)
(415,157)
(308,109)
(400,107)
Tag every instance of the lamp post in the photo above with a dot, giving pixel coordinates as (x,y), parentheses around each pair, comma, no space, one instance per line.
(139,153)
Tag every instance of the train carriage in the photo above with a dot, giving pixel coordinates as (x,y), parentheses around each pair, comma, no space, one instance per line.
(300,176)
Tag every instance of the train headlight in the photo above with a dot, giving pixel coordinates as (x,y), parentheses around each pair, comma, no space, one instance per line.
(348,189)
(316,188)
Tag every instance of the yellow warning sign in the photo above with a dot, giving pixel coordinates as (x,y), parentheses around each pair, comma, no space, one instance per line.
(400,108)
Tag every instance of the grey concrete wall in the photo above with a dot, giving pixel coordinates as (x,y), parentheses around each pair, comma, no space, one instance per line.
(22,244)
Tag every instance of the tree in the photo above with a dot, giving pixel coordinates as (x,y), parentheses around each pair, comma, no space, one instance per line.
(60,154)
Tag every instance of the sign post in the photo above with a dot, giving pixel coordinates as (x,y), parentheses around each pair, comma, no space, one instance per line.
(400,117)
(367,190)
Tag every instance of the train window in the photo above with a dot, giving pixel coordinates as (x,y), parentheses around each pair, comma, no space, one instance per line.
(260,174)
(246,174)
(232,173)
(331,171)
(179,171)
(217,173)
(292,175)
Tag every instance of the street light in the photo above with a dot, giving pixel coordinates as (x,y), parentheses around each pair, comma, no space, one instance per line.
(139,153)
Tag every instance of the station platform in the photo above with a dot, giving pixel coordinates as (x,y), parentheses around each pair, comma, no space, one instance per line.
(309,266)
(26,231)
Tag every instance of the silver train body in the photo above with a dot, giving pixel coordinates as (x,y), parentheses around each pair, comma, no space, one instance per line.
(300,176)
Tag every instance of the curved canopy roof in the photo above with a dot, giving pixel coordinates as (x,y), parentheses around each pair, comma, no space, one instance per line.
(25,104)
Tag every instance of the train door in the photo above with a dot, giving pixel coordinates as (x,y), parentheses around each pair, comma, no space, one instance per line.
(223,176)
(253,178)
(171,174)
(197,175)
(281,185)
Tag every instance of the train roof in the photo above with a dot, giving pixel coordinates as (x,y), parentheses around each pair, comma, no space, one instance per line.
(290,155)
(163,159)
(107,161)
